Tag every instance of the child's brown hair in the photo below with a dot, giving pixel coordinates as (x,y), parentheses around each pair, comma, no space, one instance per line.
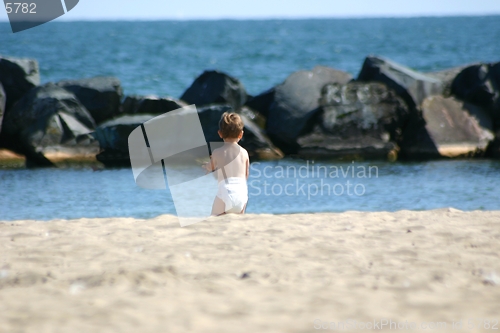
(230,125)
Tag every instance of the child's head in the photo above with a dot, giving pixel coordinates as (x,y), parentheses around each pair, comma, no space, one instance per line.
(231,126)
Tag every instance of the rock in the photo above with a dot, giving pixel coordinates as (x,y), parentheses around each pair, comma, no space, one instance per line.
(254,140)
(3,99)
(411,85)
(257,143)
(495,109)
(113,135)
(494,74)
(254,116)
(262,102)
(417,143)
(150,105)
(319,144)
(362,120)
(18,76)
(47,116)
(296,102)
(446,77)
(214,87)
(493,150)
(101,96)
(473,85)
(114,158)
(454,128)
(480,84)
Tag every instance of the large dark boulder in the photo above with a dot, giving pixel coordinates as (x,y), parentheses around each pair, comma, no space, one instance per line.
(296,102)
(18,76)
(473,84)
(112,136)
(101,96)
(213,87)
(450,128)
(495,108)
(411,85)
(363,120)
(417,144)
(262,102)
(493,150)
(150,105)
(480,84)
(47,116)
(3,98)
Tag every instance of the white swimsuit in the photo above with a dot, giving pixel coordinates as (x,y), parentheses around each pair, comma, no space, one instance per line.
(234,192)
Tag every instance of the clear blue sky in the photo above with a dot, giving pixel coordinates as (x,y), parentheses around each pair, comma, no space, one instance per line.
(214,9)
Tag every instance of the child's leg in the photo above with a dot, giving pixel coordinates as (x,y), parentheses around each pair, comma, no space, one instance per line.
(244,209)
(219,207)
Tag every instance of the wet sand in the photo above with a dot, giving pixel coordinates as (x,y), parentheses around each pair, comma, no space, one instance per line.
(251,273)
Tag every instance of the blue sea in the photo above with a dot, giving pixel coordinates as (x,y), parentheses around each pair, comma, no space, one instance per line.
(164,57)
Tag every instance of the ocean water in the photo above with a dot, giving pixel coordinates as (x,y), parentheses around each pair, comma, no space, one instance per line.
(286,186)
(164,57)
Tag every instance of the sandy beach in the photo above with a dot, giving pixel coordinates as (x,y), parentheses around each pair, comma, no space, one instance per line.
(252,273)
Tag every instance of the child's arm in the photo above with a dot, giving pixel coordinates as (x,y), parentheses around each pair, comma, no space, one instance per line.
(247,167)
(210,166)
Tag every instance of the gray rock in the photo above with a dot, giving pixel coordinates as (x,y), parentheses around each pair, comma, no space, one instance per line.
(46,116)
(451,129)
(447,77)
(3,99)
(101,96)
(493,150)
(495,108)
(365,120)
(150,105)
(411,85)
(262,102)
(18,76)
(213,87)
(113,134)
(296,101)
(319,144)
(480,84)
(473,85)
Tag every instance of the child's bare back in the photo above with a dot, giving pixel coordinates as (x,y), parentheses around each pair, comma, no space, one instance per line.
(232,165)
(234,158)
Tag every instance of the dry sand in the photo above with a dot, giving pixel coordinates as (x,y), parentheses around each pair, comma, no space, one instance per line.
(252,273)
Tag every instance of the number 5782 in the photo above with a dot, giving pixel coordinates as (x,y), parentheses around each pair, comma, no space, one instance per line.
(26,8)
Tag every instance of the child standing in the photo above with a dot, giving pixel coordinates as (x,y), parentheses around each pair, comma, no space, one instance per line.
(232,165)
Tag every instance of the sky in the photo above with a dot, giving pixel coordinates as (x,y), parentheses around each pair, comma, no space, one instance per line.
(262,9)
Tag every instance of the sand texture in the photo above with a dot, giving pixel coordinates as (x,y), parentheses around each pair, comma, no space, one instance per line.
(251,273)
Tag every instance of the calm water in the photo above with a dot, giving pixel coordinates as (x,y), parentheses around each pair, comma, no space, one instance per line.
(287,186)
(163,58)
